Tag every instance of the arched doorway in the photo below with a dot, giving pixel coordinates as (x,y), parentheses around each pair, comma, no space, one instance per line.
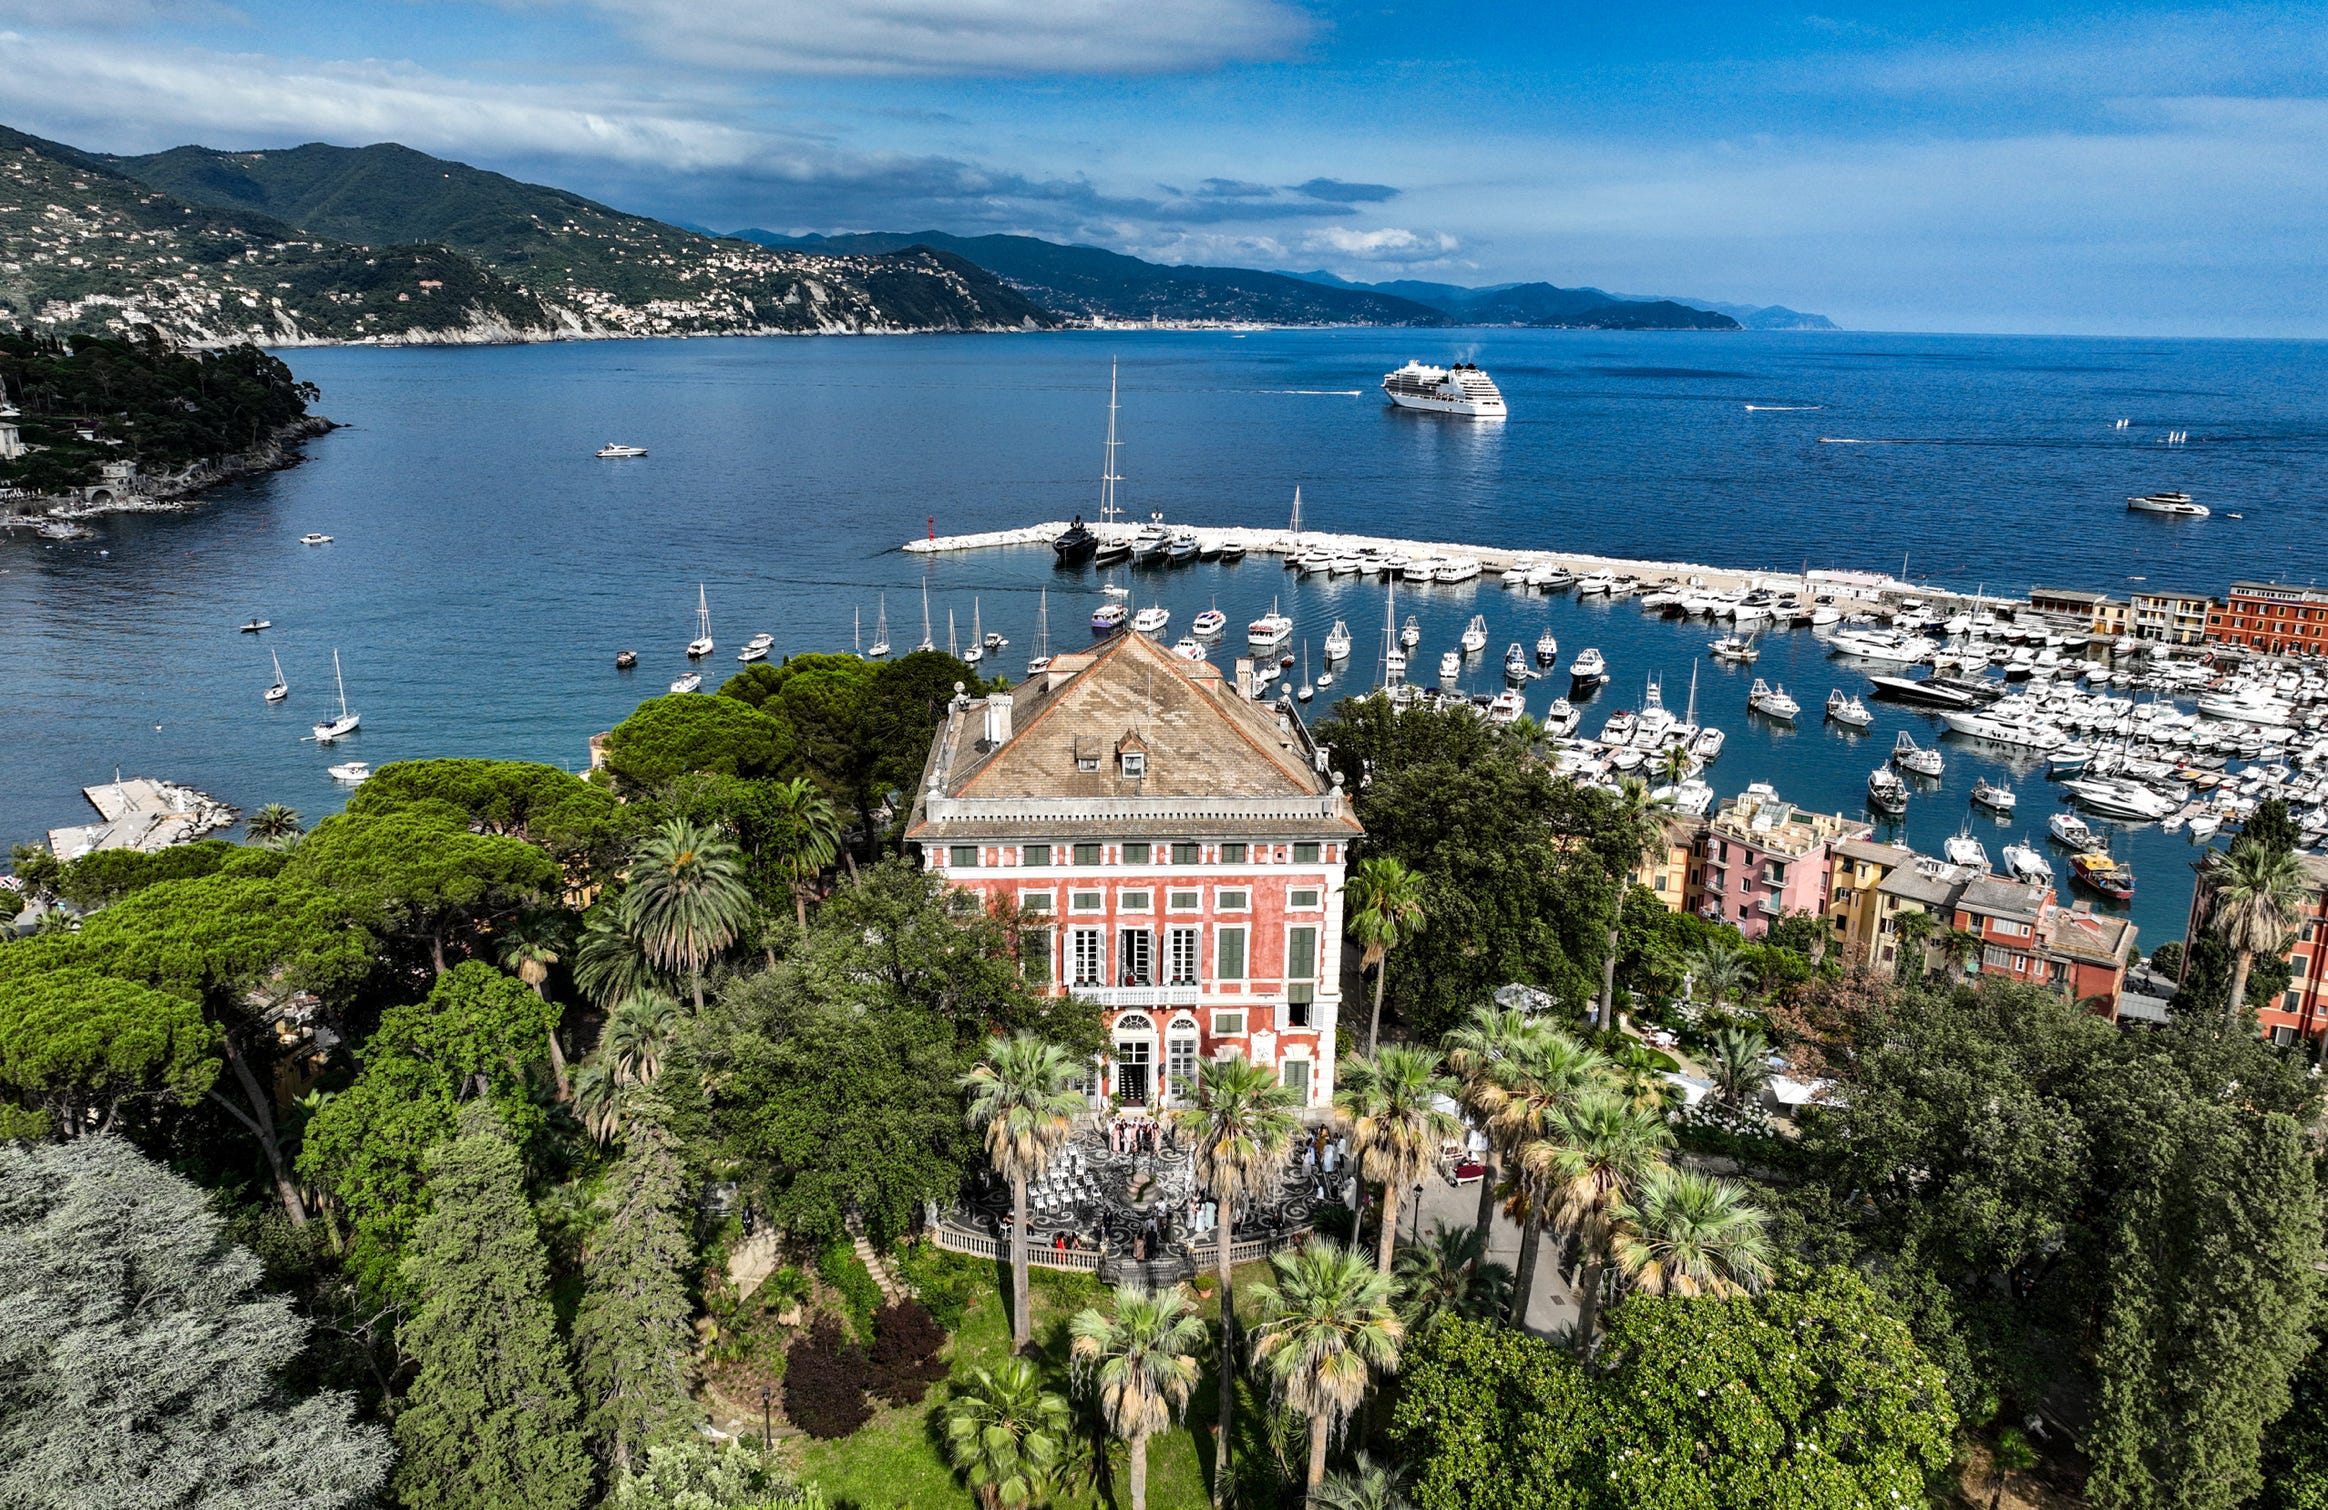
(1134,1045)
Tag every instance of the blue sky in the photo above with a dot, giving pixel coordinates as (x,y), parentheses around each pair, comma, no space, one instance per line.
(1992,167)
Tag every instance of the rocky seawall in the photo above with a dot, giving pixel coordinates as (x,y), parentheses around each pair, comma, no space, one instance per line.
(281,449)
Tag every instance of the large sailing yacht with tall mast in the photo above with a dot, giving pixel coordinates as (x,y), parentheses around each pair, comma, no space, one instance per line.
(1042,657)
(880,645)
(701,645)
(1110,549)
(332,729)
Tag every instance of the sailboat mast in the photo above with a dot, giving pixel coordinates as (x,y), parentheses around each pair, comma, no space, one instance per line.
(342,680)
(1107,472)
(1297,515)
(858,618)
(1043,627)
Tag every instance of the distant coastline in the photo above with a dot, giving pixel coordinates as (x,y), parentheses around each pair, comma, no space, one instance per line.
(283,449)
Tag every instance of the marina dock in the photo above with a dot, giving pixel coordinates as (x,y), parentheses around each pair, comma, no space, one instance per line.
(1853,590)
(141,814)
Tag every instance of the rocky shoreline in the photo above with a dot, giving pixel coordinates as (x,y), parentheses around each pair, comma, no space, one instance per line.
(280,451)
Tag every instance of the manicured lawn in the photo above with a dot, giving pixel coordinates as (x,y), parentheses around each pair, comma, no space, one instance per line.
(895,1462)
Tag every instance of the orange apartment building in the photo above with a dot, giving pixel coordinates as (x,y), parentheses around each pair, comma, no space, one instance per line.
(2272,618)
(1183,844)
(2302,1013)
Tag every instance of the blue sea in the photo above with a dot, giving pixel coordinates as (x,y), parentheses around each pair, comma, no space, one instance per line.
(484,568)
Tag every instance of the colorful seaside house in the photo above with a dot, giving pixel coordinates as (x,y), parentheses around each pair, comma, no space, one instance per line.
(1177,849)
(1762,858)
(2271,617)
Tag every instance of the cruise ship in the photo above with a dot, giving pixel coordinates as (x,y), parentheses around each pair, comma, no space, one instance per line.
(1462,389)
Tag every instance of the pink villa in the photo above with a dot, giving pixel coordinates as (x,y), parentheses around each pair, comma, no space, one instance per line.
(1762,858)
(1181,846)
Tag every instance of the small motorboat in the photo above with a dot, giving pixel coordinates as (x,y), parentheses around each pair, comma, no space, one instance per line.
(1516,663)
(1772,702)
(1450,666)
(1547,648)
(1736,650)
(1107,618)
(1506,707)
(1410,634)
(2068,828)
(1995,795)
(1151,620)
(1209,623)
(1232,550)
(752,653)
(315,537)
(1589,669)
(353,772)
(1910,756)
(1189,648)
(1848,711)
(1337,644)
(1707,747)
(613,451)
(255,625)
(1886,793)
(687,681)
(1475,634)
(625,659)
(1183,547)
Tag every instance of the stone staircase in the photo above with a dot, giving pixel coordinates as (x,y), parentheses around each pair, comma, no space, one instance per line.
(893,1289)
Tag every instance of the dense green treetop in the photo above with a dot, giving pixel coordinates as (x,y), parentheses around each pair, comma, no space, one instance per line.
(580,824)
(142,1359)
(74,1045)
(1494,1419)
(670,735)
(418,872)
(223,934)
(366,1146)
(108,875)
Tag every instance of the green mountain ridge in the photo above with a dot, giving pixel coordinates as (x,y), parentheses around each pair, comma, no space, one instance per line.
(321,244)
(1093,283)
(1544,303)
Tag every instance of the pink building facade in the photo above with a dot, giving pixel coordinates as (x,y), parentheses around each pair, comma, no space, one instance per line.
(1762,858)
(1175,849)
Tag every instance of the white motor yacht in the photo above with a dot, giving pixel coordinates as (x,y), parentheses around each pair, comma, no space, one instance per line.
(1457,569)
(1562,717)
(353,772)
(1547,648)
(2167,503)
(2115,797)
(614,451)
(752,653)
(1421,569)
(1772,702)
(1735,650)
(1450,667)
(2064,759)
(1209,623)
(1151,620)
(1337,643)
(1189,648)
(2023,863)
(2020,733)
(315,537)
(1595,584)
(1272,628)
(1706,748)
(1589,667)
(1410,634)
(1871,644)
(1516,662)
(2068,828)
(1475,635)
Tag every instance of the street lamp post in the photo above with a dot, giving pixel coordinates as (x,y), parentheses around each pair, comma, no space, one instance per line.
(767,1431)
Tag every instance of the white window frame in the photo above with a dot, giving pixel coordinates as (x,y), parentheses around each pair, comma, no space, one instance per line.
(1316,902)
(1089,903)
(1136,901)
(1078,939)
(1174,939)
(1044,902)
(1173,902)
(1243,899)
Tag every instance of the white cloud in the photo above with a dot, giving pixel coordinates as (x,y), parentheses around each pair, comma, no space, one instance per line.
(1389,244)
(964,36)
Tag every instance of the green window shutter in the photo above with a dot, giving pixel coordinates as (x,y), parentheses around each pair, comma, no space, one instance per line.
(1301,954)
(1231,949)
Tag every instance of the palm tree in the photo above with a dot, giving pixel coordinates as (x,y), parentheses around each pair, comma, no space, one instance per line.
(1326,1326)
(1674,766)
(638,1035)
(1449,1275)
(1912,928)
(1239,1124)
(2253,897)
(601,1098)
(1007,1435)
(1720,970)
(1738,1066)
(1386,910)
(532,943)
(274,825)
(808,836)
(1020,1097)
(1641,1079)
(1478,1052)
(1634,829)
(1690,1234)
(686,901)
(1549,1072)
(610,962)
(1142,1363)
(1367,1485)
(1396,1128)
(1599,1152)
(1960,947)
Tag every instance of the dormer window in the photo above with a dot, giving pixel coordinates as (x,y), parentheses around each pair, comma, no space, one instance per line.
(1135,763)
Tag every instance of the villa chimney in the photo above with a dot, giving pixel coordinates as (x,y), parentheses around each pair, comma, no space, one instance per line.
(1246,686)
(998,718)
